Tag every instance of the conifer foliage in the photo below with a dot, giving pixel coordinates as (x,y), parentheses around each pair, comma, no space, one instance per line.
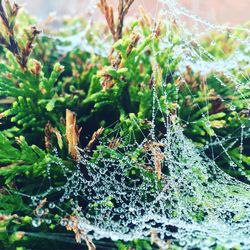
(53,101)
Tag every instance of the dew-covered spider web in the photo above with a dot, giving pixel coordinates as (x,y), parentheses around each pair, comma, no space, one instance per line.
(156,181)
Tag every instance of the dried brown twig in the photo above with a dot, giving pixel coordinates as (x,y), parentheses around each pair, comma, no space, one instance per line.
(8,15)
(72,133)
(79,233)
(107,80)
(49,130)
(158,156)
(94,138)
(123,7)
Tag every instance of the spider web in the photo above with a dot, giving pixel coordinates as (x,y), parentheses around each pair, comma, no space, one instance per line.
(116,192)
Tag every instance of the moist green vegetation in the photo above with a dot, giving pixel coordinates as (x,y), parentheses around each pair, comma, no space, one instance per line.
(38,85)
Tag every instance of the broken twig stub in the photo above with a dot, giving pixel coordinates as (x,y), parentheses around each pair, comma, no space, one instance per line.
(72,133)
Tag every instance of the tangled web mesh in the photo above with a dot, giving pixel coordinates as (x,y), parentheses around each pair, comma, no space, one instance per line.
(194,185)
(195,203)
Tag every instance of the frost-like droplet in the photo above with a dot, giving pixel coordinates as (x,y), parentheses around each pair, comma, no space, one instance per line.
(213,43)
(232,107)
(36,222)
(48,221)
(39,212)
(64,222)
(208,124)
(52,205)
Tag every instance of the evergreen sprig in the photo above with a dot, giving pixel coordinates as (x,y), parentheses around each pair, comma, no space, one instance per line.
(39,83)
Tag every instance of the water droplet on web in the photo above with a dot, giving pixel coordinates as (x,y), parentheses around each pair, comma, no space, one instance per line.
(48,221)
(232,107)
(213,43)
(36,222)
(208,124)
(232,164)
(64,222)
(51,205)
(39,212)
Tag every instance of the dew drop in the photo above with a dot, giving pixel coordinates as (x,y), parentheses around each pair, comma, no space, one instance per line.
(213,43)
(39,212)
(232,107)
(52,205)
(36,222)
(48,221)
(63,222)
(208,124)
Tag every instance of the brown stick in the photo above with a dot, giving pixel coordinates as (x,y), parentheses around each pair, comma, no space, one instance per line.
(8,40)
(94,138)
(123,7)
(72,133)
